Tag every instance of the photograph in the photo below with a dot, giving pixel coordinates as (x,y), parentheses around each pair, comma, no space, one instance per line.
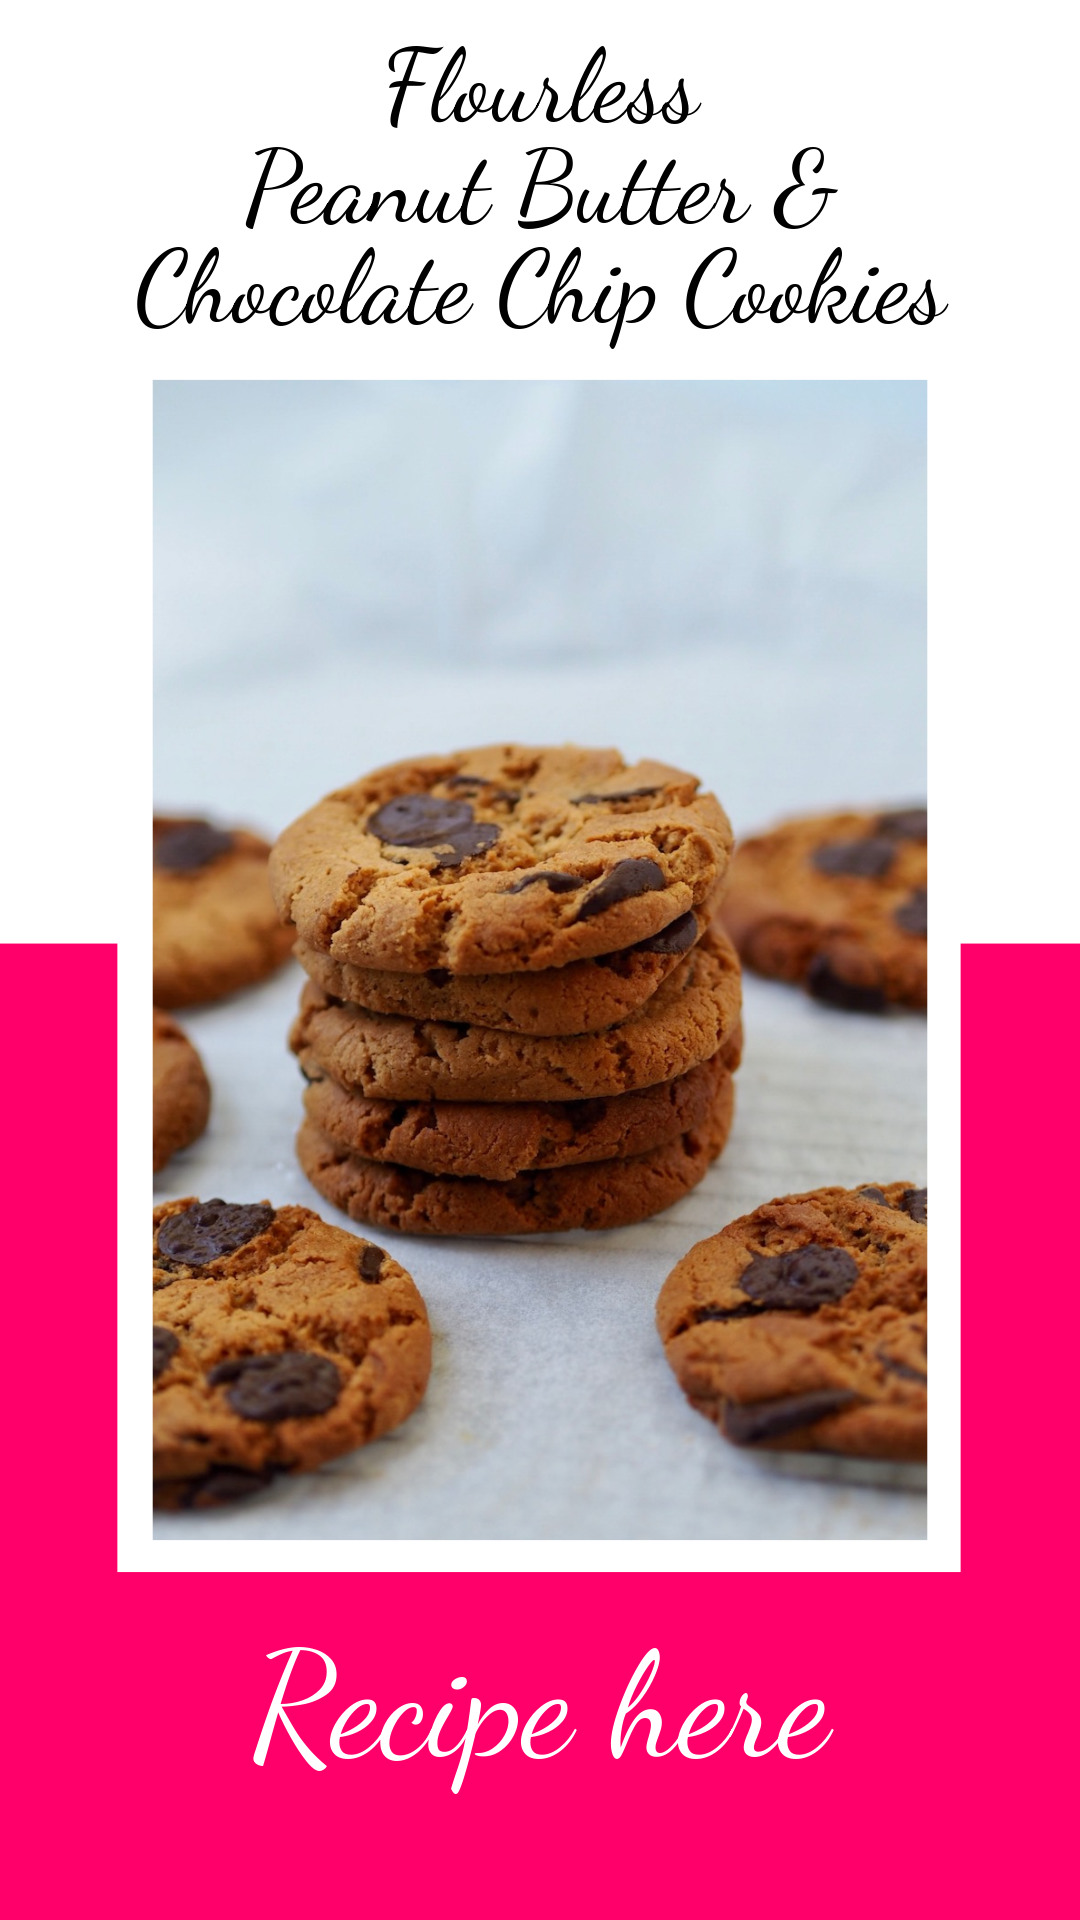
(540,960)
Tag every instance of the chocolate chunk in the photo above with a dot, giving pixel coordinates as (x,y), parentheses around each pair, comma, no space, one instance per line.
(476,785)
(620,962)
(768,1419)
(210,1230)
(371,1264)
(746,1311)
(913,1203)
(679,937)
(420,820)
(911,913)
(467,841)
(624,881)
(867,859)
(900,1368)
(826,985)
(908,824)
(223,1484)
(439,976)
(165,1345)
(873,1193)
(195,844)
(611,799)
(557,882)
(278,1386)
(809,1277)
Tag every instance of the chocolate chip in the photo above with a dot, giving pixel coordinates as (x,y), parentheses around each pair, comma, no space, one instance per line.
(913,1203)
(476,785)
(907,824)
(611,799)
(467,841)
(911,913)
(867,859)
(418,820)
(224,1484)
(809,1277)
(210,1229)
(278,1386)
(421,820)
(768,1419)
(624,881)
(746,1311)
(826,985)
(371,1263)
(165,1345)
(679,937)
(900,1368)
(873,1193)
(439,976)
(557,882)
(195,844)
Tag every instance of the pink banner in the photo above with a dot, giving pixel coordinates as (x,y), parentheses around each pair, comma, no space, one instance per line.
(457,1744)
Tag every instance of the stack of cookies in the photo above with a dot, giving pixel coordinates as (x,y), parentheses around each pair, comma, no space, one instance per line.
(521,1014)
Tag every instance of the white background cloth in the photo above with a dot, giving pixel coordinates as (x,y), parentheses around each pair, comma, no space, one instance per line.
(727,576)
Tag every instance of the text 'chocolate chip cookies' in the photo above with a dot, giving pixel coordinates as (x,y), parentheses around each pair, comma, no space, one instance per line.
(836,903)
(802,1326)
(502,928)
(279,1343)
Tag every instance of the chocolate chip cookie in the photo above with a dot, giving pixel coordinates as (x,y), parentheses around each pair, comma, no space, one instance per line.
(602,1193)
(381,1056)
(579,998)
(803,1325)
(838,904)
(181,1091)
(499,860)
(279,1342)
(215,924)
(489,1141)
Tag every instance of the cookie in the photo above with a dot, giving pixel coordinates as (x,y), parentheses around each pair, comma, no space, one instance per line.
(838,904)
(181,1091)
(688,1019)
(579,998)
(279,1342)
(603,1193)
(489,1141)
(803,1325)
(499,860)
(215,924)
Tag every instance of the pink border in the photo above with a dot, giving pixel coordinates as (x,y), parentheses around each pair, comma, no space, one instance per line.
(138,1698)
